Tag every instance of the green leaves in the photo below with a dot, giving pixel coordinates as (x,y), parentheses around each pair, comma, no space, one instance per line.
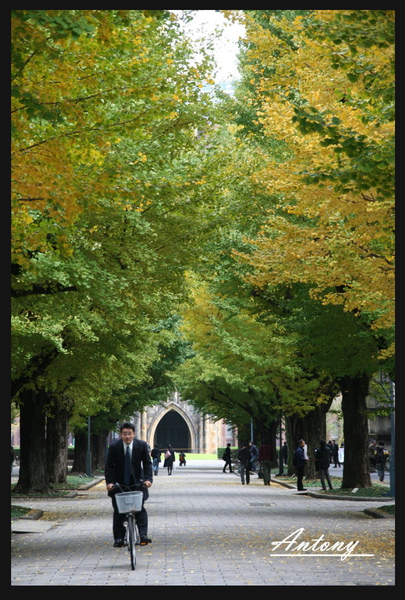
(108,191)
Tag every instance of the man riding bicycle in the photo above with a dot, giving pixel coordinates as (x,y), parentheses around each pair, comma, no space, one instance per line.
(128,463)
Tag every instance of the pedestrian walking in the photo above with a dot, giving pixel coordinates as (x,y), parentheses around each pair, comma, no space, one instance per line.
(12,458)
(265,460)
(380,459)
(182,459)
(284,453)
(372,456)
(322,462)
(335,454)
(128,463)
(156,459)
(227,458)
(254,456)
(300,462)
(244,460)
(170,457)
(329,447)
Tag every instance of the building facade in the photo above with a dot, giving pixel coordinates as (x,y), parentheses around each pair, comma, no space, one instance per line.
(178,424)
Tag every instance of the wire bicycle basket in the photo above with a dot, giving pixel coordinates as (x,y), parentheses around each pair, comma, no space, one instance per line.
(129,502)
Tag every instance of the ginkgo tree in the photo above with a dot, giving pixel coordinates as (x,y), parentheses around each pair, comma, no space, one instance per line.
(321,84)
(246,368)
(110,120)
(325,87)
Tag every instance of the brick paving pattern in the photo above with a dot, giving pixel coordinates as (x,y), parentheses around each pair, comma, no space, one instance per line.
(207,530)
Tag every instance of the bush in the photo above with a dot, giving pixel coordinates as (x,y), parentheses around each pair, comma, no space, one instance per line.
(221,450)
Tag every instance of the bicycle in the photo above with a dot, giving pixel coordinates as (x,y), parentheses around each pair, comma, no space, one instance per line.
(129,503)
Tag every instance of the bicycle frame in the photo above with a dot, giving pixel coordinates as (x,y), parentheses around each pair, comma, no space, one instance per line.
(131,538)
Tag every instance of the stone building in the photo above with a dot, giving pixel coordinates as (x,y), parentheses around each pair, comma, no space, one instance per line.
(177,423)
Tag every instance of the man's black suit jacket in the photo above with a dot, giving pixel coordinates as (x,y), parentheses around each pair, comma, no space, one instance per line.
(141,463)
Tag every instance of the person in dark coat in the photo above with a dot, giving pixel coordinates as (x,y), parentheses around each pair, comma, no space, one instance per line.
(227,458)
(329,447)
(380,459)
(265,459)
(284,452)
(335,454)
(244,459)
(371,456)
(301,464)
(156,459)
(140,470)
(254,456)
(322,462)
(170,457)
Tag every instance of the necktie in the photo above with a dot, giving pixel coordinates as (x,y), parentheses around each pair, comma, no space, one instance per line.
(127,467)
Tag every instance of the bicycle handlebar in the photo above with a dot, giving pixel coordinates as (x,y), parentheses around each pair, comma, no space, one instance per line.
(130,488)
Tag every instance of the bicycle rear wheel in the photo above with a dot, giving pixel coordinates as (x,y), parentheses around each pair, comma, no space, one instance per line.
(131,540)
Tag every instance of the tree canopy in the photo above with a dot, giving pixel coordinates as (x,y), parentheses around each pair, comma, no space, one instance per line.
(164,233)
(109,176)
(323,84)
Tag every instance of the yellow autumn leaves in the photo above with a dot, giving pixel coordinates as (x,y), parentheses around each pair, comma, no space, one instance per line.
(333,223)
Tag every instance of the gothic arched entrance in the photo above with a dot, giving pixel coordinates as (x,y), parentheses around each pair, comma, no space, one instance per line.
(172,429)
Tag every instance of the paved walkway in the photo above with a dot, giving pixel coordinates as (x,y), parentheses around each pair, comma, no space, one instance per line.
(207,530)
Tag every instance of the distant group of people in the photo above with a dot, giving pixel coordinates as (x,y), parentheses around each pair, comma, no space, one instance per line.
(328,453)
(249,455)
(325,455)
(333,448)
(377,456)
(169,459)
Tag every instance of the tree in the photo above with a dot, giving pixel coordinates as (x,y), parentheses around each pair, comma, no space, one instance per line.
(246,366)
(323,83)
(107,194)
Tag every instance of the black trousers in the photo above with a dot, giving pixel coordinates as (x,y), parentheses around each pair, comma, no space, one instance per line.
(228,463)
(300,477)
(245,472)
(141,519)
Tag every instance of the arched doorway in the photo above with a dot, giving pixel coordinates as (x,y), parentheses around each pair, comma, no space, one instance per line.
(172,429)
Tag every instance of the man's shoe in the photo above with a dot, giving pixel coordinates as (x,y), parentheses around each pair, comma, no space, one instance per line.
(118,543)
(145,540)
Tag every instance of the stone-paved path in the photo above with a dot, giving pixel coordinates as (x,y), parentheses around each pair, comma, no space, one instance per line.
(207,530)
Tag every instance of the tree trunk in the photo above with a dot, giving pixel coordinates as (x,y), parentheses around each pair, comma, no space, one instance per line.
(57,440)
(268,435)
(316,431)
(355,431)
(311,428)
(79,462)
(33,476)
(295,428)
(98,450)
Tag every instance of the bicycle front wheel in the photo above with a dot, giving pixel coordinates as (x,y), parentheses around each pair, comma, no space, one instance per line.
(131,540)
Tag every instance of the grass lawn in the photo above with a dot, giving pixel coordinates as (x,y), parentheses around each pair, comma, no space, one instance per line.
(388,509)
(376,490)
(191,456)
(18,511)
(73,482)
